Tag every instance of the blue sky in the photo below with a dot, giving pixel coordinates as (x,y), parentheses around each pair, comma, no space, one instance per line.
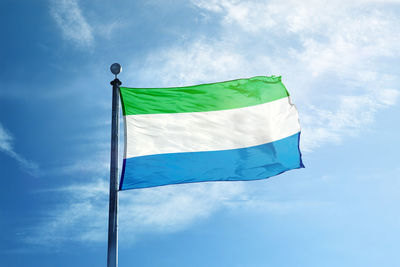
(339,60)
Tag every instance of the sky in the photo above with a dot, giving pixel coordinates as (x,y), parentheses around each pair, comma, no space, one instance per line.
(339,61)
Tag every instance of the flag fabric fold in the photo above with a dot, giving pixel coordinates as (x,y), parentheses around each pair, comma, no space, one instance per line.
(245,129)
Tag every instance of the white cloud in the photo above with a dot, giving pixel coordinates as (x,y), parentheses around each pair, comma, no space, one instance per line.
(107,30)
(6,146)
(166,209)
(73,24)
(94,165)
(202,60)
(173,207)
(85,206)
(353,114)
(5,139)
(332,55)
(291,16)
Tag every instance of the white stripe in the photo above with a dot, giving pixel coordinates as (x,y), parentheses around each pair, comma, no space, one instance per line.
(149,134)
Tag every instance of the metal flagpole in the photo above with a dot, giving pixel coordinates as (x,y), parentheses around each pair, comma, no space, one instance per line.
(112,255)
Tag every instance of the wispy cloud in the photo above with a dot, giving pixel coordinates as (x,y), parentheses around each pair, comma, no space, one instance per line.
(166,209)
(352,115)
(6,146)
(334,58)
(73,24)
(163,209)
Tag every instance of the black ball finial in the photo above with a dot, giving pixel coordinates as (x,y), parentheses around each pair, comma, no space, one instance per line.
(116,69)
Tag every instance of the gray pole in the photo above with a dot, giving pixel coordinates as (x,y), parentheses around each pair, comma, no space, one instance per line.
(112,255)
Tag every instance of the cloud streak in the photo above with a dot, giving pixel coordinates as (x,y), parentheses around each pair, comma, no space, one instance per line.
(332,56)
(69,18)
(164,209)
(6,146)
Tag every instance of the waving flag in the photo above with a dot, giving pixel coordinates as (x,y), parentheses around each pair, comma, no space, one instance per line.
(244,129)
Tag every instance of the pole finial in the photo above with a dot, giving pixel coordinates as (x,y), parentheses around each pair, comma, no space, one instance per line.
(116,69)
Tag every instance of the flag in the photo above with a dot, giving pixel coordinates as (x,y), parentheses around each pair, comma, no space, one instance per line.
(245,129)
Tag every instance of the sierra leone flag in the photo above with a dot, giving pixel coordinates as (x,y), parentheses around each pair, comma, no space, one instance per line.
(244,129)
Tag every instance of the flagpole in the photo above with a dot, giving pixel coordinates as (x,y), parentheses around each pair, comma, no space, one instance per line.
(112,255)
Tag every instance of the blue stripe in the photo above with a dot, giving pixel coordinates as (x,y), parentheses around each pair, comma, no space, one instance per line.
(250,163)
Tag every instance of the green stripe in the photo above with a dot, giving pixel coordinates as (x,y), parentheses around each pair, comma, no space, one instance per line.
(205,97)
